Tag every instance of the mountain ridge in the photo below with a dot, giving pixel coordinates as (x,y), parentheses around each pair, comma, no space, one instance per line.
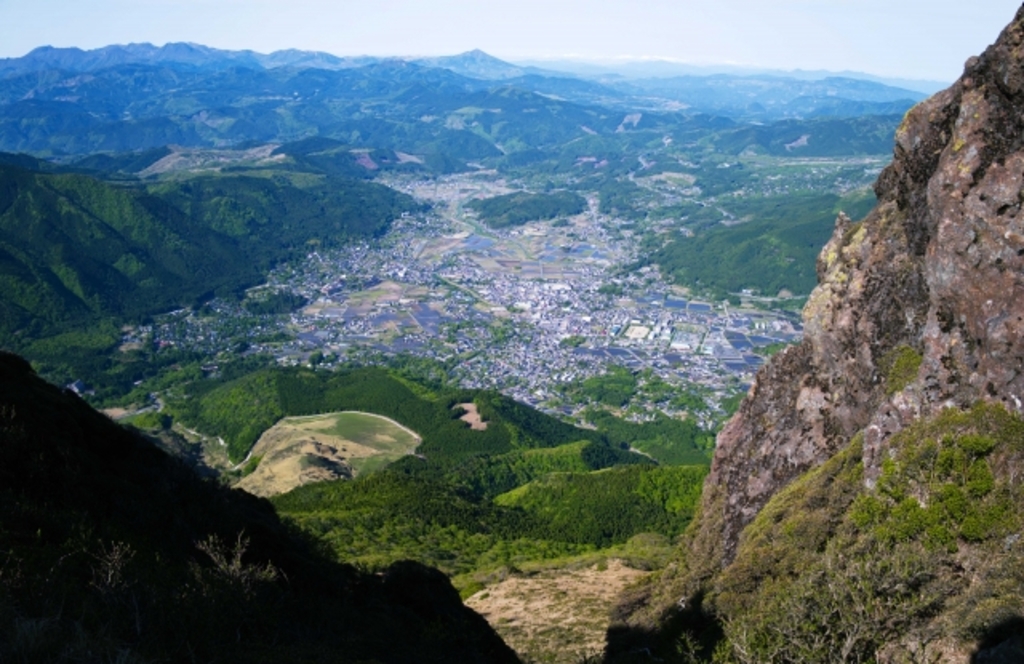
(196,53)
(752,96)
(180,53)
(657,68)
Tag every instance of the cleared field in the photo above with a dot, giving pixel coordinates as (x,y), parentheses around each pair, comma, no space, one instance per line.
(300,450)
(472,417)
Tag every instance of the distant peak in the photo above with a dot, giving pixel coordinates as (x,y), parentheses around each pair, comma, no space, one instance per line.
(48,49)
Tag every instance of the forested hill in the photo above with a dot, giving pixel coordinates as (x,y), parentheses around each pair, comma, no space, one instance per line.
(76,249)
(525,488)
(241,409)
(520,208)
(114,551)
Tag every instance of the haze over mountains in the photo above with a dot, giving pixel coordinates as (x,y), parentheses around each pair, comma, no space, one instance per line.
(133,82)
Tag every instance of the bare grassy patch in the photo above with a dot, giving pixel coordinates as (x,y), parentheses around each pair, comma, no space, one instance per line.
(301,450)
(558,615)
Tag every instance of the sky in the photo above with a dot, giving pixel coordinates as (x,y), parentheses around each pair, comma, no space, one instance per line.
(895,38)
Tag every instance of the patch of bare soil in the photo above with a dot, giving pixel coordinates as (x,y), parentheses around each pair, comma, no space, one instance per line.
(114,413)
(367,162)
(404,158)
(798,143)
(472,417)
(558,615)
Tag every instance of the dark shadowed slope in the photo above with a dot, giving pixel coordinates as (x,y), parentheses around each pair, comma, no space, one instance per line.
(110,550)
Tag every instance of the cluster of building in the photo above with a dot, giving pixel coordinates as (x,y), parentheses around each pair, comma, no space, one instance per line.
(521,325)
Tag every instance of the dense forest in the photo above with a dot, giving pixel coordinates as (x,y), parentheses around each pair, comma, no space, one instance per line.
(520,208)
(621,198)
(277,302)
(391,516)
(771,245)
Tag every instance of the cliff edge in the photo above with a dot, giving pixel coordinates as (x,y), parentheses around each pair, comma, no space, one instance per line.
(918,319)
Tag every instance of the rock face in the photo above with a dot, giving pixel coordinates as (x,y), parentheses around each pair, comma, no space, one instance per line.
(935,271)
(919,308)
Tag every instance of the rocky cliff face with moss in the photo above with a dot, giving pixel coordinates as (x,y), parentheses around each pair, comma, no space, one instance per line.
(864,503)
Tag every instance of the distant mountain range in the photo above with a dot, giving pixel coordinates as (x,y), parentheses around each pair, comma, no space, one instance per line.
(121,76)
(657,68)
(173,54)
(477,64)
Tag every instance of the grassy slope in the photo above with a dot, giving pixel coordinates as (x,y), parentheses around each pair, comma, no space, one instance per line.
(300,450)
(927,561)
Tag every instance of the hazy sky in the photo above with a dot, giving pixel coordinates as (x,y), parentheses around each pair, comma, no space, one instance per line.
(904,38)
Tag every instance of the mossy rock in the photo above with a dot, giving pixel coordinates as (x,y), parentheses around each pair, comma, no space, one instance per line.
(901,367)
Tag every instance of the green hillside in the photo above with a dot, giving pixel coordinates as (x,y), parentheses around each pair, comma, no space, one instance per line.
(439,506)
(820,137)
(114,552)
(772,246)
(240,410)
(515,444)
(610,506)
(77,252)
(493,475)
(391,516)
(520,208)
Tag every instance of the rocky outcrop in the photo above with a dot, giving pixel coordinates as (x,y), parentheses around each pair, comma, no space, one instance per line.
(919,308)
(936,270)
